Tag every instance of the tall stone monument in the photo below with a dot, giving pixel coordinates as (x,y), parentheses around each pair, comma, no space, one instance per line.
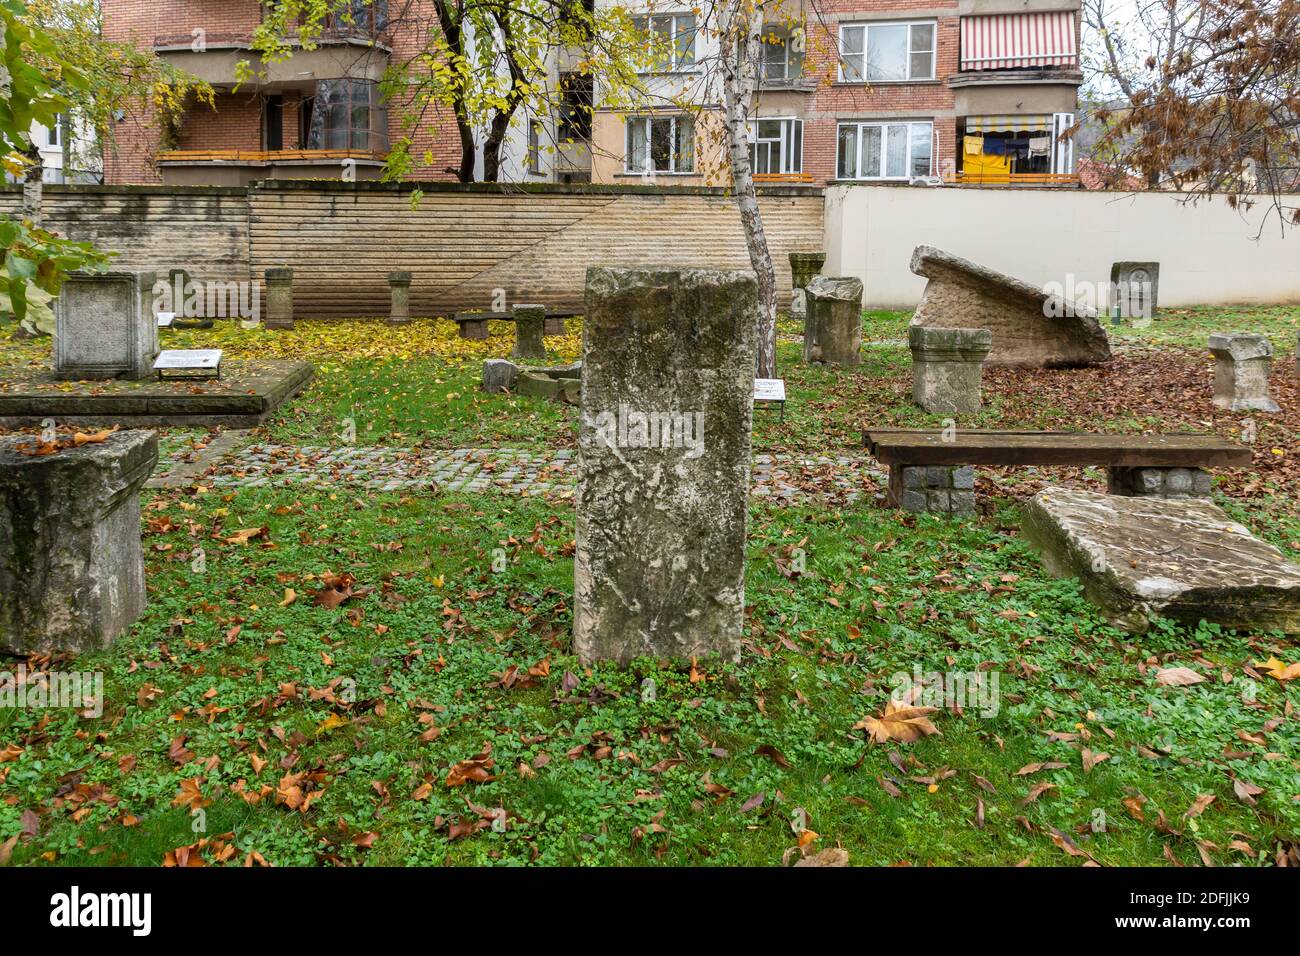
(664,459)
(105,326)
(399,294)
(279,298)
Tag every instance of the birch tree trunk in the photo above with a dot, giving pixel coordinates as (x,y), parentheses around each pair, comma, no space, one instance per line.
(33,186)
(740,25)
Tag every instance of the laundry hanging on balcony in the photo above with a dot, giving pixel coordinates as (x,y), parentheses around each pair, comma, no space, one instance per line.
(1019,41)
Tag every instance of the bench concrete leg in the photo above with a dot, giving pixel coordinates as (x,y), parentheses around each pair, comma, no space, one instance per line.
(948,489)
(475,329)
(1158,482)
(553,327)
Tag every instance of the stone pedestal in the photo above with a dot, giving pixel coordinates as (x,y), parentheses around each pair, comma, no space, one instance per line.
(399,288)
(105,326)
(947,367)
(1158,482)
(1241,367)
(529,320)
(947,489)
(664,459)
(71,568)
(279,298)
(833,328)
(469,326)
(803,266)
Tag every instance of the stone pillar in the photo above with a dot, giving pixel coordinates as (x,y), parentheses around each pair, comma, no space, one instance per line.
(832,332)
(1148,482)
(947,489)
(1241,371)
(947,366)
(803,266)
(399,288)
(664,458)
(529,320)
(71,567)
(105,326)
(279,298)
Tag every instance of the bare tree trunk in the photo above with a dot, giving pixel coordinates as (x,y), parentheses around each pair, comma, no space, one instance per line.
(741,28)
(450,19)
(33,185)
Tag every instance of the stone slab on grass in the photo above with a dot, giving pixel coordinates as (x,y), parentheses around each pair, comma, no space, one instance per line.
(1183,559)
(245,395)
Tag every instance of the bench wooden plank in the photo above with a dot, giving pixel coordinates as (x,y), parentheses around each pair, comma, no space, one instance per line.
(506,316)
(928,447)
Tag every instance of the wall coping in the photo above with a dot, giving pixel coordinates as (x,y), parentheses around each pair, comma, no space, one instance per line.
(336,187)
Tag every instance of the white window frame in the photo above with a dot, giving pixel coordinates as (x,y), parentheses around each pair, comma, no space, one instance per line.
(649,119)
(845,77)
(791,130)
(787,37)
(646,24)
(882,125)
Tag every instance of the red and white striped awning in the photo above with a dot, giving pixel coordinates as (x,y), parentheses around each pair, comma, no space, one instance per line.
(1013,40)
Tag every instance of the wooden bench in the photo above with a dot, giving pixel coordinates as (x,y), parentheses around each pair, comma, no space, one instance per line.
(473,325)
(932,470)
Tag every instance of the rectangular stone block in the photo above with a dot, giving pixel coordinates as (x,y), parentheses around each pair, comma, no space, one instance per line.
(664,463)
(105,326)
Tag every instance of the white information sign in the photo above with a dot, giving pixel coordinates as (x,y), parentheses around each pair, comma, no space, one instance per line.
(769,390)
(204,359)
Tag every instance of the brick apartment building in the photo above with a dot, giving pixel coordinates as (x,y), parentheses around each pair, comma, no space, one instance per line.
(968,91)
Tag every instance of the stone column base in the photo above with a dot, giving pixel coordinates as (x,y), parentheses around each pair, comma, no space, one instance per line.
(473,329)
(1158,482)
(948,489)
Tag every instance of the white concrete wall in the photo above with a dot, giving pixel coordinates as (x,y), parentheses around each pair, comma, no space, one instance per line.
(1208,252)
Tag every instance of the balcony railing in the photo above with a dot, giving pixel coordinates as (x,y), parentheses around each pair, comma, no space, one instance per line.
(1012,179)
(265,155)
(761,178)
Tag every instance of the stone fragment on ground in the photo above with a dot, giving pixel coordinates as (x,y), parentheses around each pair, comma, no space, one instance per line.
(1183,559)
(1031,327)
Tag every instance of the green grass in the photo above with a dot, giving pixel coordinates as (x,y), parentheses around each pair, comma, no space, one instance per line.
(883,593)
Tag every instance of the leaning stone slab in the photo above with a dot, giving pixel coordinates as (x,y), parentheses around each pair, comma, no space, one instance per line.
(833,329)
(1241,364)
(947,368)
(537,386)
(499,375)
(105,326)
(664,458)
(1030,327)
(1140,558)
(71,567)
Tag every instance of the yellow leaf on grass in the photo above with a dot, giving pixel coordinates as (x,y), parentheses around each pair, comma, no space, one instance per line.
(902,722)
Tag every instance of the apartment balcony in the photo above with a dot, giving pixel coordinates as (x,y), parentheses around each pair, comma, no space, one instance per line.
(777,179)
(356,54)
(239,167)
(1032,180)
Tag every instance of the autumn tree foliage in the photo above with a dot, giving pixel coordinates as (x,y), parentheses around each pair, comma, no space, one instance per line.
(1210,94)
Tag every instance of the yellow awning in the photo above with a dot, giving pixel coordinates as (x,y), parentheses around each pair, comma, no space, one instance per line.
(1027,123)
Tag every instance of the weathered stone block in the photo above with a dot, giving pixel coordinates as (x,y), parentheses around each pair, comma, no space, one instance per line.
(571,391)
(938,488)
(1030,327)
(499,375)
(105,326)
(1241,364)
(833,328)
(1181,559)
(71,567)
(279,298)
(399,289)
(1135,288)
(947,368)
(803,266)
(1150,482)
(664,460)
(469,327)
(964,477)
(537,386)
(529,320)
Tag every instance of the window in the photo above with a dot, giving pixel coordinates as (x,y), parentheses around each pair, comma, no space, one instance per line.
(52,132)
(660,144)
(675,34)
(348,114)
(357,18)
(884,150)
(782,56)
(776,146)
(535,147)
(273,134)
(575,108)
(886,52)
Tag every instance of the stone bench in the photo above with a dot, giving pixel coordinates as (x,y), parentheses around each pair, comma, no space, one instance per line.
(933,470)
(473,325)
